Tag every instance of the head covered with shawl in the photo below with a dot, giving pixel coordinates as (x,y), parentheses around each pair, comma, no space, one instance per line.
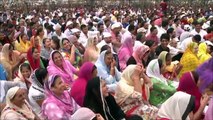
(154,71)
(67,73)
(140,52)
(10,106)
(126,50)
(79,85)
(64,100)
(189,59)
(177,106)
(34,63)
(126,86)
(203,54)
(188,84)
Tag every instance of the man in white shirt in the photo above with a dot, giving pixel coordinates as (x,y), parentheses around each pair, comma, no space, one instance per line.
(187,41)
(198,30)
(107,39)
(83,39)
(69,26)
(58,32)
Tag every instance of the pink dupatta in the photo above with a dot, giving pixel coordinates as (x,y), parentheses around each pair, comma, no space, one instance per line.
(126,50)
(66,74)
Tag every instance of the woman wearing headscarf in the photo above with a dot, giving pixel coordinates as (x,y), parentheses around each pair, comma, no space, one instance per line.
(91,53)
(162,88)
(36,93)
(87,71)
(181,106)
(22,44)
(100,101)
(58,65)
(132,93)
(34,59)
(139,56)
(70,52)
(107,70)
(189,59)
(172,67)
(178,106)
(23,76)
(58,105)
(203,52)
(189,84)
(10,60)
(16,106)
(126,50)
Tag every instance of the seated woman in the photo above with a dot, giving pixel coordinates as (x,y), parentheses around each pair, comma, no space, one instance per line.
(162,88)
(126,50)
(22,44)
(17,107)
(23,76)
(139,56)
(58,105)
(58,65)
(172,68)
(91,53)
(70,52)
(189,59)
(46,48)
(189,83)
(203,52)
(178,106)
(36,93)
(87,71)
(10,60)
(100,101)
(107,70)
(34,59)
(34,40)
(132,93)
(181,106)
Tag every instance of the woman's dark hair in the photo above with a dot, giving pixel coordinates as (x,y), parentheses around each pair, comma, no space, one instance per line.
(139,36)
(33,49)
(26,65)
(20,37)
(105,47)
(44,40)
(55,53)
(168,56)
(56,42)
(149,43)
(11,47)
(94,68)
(40,29)
(40,74)
(134,117)
(195,76)
(56,77)
(108,52)
(160,62)
(63,39)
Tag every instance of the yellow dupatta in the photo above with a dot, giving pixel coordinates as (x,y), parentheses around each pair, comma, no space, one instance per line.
(189,59)
(21,46)
(202,53)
